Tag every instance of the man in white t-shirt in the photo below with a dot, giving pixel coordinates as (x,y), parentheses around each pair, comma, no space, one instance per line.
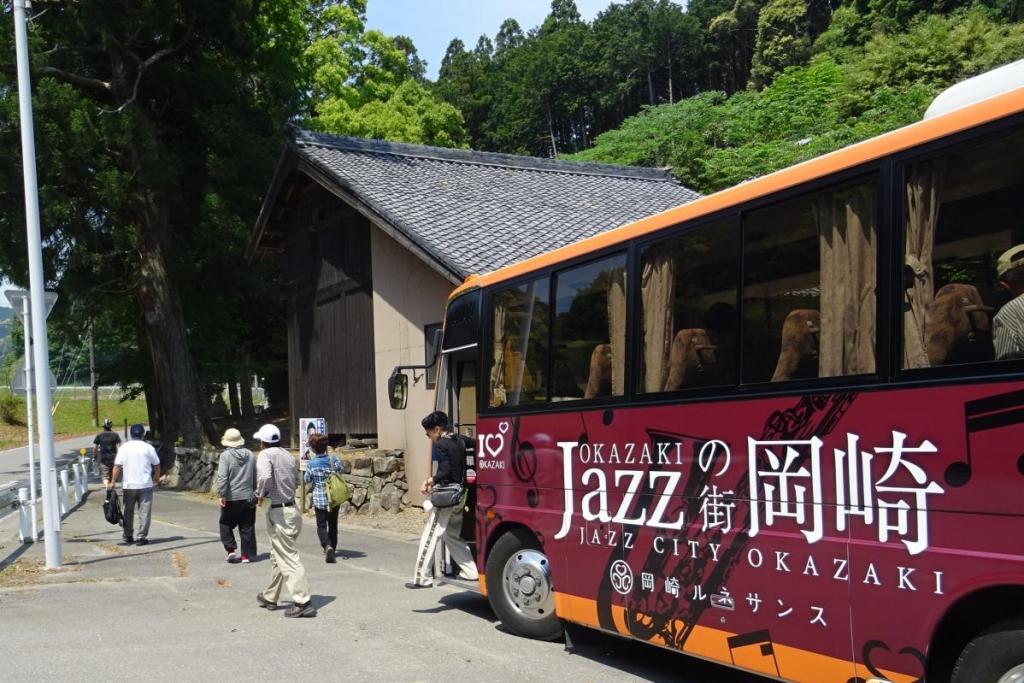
(141,467)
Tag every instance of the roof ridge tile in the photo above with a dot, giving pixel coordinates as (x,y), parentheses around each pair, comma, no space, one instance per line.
(302,137)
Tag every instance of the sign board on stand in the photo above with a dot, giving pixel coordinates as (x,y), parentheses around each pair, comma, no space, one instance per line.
(307,427)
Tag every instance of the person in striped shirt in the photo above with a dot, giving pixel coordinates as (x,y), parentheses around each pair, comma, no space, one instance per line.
(1008,324)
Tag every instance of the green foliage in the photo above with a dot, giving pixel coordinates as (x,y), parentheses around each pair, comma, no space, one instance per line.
(198,139)
(783,39)
(846,94)
(10,407)
(556,88)
(367,84)
(550,90)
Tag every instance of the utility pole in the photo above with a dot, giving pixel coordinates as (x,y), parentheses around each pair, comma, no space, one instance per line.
(26,321)
(92,378)
(41,351)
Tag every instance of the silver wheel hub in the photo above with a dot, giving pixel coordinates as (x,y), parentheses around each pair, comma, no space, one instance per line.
(1014,675)
(526,580)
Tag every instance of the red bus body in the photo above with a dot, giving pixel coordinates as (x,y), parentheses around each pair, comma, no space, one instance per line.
(852,527)
(801,600)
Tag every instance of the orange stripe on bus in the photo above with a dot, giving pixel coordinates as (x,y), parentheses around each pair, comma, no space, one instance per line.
(794,663)
(869,150)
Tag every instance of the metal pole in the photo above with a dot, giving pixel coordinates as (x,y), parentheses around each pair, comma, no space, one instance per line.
(92,378)
(76,474)
(23,515)
(51,525)
(33,494)
(65,496)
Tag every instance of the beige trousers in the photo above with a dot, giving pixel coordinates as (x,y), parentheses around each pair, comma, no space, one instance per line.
(438,526)
(284,525)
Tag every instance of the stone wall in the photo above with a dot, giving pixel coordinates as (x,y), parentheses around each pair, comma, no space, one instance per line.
(376,478)
(194,469)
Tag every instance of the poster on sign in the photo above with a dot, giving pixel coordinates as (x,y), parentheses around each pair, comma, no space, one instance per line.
(309,426)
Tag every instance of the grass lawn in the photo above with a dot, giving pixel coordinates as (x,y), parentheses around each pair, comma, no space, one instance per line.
(73,417)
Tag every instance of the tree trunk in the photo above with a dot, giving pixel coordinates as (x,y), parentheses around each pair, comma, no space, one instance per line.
(650,88)
(245,385)
(182,412)
(236,411)
(671,96)
(551,133)
(153,412)
(175,392)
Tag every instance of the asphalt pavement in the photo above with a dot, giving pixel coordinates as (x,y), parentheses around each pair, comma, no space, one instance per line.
(14,466)
(174,610)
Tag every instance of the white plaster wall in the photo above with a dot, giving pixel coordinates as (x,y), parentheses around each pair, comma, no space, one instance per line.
(407,296)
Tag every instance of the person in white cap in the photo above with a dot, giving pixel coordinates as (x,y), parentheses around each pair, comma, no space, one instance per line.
(236,486)
(1008,324)
(277,474)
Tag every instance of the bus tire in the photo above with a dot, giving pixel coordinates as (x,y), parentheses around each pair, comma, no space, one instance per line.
(519,586)
(995,656)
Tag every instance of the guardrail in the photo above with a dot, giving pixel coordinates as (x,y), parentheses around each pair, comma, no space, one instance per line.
(72,485)
(9,495)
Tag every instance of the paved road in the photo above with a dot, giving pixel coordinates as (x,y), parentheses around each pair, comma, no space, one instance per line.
(14,464)
(174,610)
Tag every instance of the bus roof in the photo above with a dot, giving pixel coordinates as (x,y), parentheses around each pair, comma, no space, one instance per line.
(898,140)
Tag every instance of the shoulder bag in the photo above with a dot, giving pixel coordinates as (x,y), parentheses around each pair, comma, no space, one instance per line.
(449,495)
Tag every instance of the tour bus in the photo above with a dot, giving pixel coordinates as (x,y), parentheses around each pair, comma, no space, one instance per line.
(745,428)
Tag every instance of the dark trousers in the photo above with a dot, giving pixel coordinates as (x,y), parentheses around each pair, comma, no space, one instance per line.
(327,527)
(240,513)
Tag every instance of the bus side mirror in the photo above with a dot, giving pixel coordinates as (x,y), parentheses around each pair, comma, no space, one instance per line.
(398,390)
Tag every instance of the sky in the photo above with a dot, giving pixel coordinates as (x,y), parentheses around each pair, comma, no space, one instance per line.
(433,23)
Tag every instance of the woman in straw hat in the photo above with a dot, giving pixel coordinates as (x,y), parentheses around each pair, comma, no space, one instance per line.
(236,482)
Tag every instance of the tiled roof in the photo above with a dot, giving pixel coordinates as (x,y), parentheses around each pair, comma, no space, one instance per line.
(478,211)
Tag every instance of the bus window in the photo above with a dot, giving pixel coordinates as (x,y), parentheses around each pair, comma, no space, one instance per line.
(809,286)
(465,400)
(688,310)
(590,330)
(964,224)
(519,355)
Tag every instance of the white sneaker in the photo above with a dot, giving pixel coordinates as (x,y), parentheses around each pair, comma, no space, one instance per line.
(233,558)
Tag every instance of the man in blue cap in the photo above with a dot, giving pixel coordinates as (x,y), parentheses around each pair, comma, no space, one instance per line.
(141,467)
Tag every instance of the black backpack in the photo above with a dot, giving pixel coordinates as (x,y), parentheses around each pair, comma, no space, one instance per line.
(112,508)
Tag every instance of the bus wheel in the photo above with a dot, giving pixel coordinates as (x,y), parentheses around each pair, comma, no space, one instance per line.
(996,656)
(519,586)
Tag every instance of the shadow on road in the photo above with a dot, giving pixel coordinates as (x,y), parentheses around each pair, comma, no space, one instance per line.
(628,656)
(321,601)
(469,602)
(13,556)
(130,555)
(649,661)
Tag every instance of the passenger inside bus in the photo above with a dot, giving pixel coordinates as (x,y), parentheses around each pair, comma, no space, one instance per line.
(1008,326)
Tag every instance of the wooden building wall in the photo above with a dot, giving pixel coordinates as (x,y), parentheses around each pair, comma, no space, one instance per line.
(329,290)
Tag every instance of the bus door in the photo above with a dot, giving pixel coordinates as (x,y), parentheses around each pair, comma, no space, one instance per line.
(461,402)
